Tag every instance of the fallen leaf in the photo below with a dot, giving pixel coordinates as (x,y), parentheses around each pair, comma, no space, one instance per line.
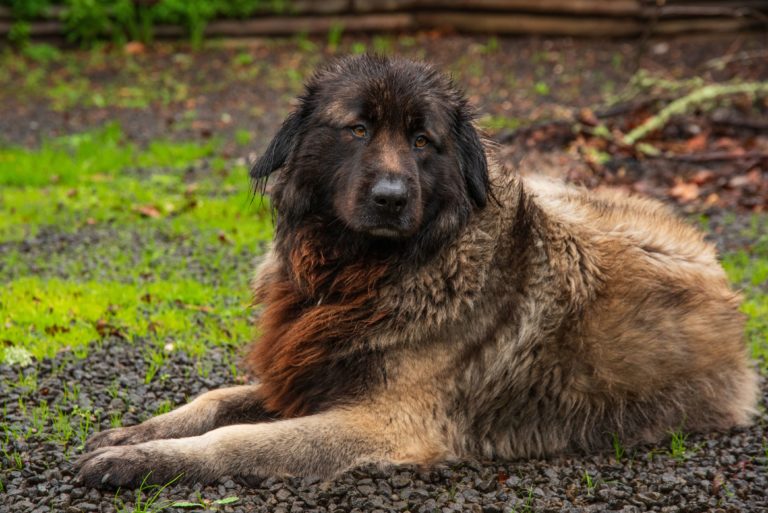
(588,117)
(134,48)
(105,329)
(55,328)
(712,199)
(702,176)
(684,191)
(696,143)
(199,308)
(148,211)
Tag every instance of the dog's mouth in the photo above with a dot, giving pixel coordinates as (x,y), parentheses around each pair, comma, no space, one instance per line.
(386,232)
(375,226)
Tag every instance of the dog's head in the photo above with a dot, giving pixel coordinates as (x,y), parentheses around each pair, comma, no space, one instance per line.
(386,146)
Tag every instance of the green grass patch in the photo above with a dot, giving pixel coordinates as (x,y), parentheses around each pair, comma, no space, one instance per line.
(496,123)
(70,160)
(747,268)
(105,239)
(46,316)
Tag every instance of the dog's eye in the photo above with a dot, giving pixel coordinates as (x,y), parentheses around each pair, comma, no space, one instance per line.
(359,131)
(420,141)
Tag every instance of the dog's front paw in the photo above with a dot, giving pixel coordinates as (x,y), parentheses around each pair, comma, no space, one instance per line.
(131,435)
(126,466)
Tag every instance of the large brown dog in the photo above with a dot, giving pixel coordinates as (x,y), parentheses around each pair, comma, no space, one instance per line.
(418,310)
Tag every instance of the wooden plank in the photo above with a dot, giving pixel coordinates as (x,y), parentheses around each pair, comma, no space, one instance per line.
(531,24)
(314,25)
(599,7)
(682,26)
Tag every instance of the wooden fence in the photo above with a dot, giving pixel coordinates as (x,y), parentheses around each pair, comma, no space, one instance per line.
(619,18)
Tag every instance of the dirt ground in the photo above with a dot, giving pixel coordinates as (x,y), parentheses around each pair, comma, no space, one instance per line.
(557,106)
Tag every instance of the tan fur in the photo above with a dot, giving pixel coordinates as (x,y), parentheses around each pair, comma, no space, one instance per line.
(615,318)
(534,320)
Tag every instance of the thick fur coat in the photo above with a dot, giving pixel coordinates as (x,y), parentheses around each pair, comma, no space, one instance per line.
(422,304)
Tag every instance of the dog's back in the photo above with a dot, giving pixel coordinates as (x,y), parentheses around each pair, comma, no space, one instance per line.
(638,335)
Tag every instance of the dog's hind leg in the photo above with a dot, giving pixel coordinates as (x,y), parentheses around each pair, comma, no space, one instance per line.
(222,407)
(321,445)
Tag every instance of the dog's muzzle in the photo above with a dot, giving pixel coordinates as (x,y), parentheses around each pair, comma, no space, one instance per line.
(387,204)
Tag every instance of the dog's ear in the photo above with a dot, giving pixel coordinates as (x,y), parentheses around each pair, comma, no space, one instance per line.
(278,150)
(472,161)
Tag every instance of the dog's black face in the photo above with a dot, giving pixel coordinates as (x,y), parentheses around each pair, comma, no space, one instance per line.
(379,148)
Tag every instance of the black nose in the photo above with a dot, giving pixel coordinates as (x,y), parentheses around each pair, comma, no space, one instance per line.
(390,194)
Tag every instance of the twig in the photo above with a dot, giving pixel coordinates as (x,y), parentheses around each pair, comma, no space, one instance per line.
(742,123)
(713,156)
(722,62)
(681,105)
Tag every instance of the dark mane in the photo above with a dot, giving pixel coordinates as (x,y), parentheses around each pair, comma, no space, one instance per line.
(313,350)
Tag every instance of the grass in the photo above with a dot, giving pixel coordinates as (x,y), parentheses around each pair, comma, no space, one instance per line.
(104,239)
(747,268)
(677,445)
(74,159)
(527,506)
(618,448)
(147,498)
(167,253)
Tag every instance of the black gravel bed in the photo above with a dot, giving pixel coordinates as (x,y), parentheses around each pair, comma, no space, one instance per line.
(716,472)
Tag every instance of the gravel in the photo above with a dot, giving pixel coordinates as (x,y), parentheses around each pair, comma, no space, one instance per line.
(717,472)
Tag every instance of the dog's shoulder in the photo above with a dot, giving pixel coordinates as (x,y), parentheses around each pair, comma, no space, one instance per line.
(611,218)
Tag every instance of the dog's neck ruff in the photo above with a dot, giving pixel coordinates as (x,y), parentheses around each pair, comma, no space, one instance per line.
(324,304)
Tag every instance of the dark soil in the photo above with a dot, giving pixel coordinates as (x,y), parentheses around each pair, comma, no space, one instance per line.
(525,81)
(717,472)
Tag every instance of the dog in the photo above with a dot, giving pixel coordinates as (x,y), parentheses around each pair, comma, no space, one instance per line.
(421,304)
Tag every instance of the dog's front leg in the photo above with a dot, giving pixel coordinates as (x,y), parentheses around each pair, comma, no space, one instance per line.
(319,445)
(222,407)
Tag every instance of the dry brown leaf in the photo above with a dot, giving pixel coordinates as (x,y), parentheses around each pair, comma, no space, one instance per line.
(696,143)
(134,48)
(684,191)
(148,211)
(702,176)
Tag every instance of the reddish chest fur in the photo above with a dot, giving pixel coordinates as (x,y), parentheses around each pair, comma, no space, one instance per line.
(317,314)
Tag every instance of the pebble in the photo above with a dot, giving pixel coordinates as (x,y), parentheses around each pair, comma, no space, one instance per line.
(637,484)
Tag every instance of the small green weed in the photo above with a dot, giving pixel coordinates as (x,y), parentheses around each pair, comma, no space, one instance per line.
(496,123)
(206,504)
(114,389)
(147,498)
(155,359)
(382,44)
(618,449)
(589,483)
(358,47)
(527,505)
(62,426)
(40,416)
(491,46)
(164,407)
(115,419)
(334,36)
(541,88)
(677,445)
(13,460)
(242,137)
